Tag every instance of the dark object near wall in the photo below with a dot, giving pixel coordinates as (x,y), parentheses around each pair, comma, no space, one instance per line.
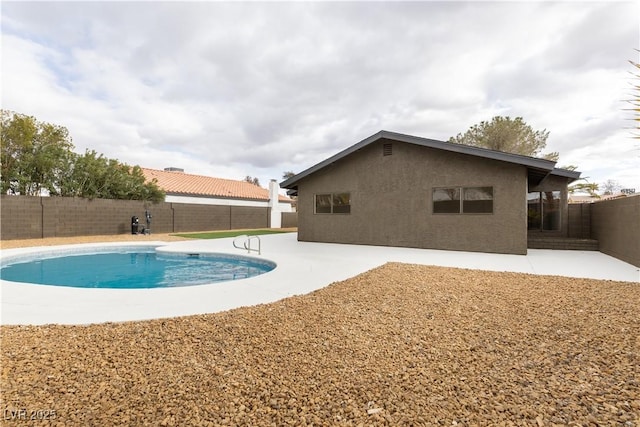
(134,224)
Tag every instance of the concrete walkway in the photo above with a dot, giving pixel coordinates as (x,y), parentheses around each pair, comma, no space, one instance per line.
(302,268)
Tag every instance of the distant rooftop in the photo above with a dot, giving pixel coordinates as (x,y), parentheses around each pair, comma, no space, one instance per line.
(178,183)
(585,198)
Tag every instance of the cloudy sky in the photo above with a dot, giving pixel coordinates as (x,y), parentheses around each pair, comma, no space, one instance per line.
(230,89)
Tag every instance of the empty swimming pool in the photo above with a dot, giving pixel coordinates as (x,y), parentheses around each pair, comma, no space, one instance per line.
(130,268)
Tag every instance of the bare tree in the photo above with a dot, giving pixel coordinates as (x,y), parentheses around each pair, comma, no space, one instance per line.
(635,99)
(610,186)
(252,180)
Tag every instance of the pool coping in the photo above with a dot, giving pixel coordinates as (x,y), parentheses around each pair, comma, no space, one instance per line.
(302,267)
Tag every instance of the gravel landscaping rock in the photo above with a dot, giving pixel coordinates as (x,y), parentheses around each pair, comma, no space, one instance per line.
(398,345)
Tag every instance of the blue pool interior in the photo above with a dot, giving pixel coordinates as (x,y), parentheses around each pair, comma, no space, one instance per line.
(131,268)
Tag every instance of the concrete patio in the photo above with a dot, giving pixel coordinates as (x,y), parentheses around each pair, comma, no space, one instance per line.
(302,268)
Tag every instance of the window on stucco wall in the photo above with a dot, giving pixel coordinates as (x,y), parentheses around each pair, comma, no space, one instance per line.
(463,200)
(323,203)
(477,200)
(446,200)
(333,203)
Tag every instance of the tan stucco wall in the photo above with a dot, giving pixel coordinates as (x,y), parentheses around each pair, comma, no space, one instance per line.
(391,201)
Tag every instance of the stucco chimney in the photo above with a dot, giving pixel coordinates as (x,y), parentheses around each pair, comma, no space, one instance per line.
(276,215)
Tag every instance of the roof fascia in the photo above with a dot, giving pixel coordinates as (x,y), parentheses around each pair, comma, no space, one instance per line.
(294,179)
(474,151)
(566,173)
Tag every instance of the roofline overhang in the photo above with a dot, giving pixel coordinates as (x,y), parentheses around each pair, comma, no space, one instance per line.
(543,165)
(572,175)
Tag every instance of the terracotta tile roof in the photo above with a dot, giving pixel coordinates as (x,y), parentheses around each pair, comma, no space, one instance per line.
(180,183)
(593,199)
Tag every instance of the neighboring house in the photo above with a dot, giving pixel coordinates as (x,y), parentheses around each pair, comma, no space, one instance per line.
(182,187)
(399,190)
(582,198)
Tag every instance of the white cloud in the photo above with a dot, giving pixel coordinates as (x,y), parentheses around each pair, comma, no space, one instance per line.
(234,89)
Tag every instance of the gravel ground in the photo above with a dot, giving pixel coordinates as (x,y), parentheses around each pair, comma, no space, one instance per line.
(398,345)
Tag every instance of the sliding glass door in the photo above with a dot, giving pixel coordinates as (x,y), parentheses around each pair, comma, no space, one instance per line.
(543,210)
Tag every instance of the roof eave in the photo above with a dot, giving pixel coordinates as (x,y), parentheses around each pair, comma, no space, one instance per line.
(572,175)
(529,162)
(294,179)
(471,150)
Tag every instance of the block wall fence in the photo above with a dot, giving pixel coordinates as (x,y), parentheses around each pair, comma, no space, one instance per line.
(289,219)
(24,217)
(614,223)
(579,224)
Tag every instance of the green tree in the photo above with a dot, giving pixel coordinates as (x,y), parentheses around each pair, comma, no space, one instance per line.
(507,135)
(591,188)
(582,185)
(94,176)
(36,156)
(33,154)
(288,174)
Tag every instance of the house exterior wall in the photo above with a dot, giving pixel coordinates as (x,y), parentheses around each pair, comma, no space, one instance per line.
(391,201)
(616,226)
(221,207)
(218,201)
